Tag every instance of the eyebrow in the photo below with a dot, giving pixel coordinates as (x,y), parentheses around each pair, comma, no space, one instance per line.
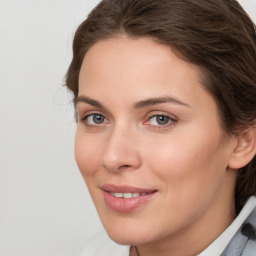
(137,105)
(155,101)
(89,101)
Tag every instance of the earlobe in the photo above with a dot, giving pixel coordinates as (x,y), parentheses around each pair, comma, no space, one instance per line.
(244,150)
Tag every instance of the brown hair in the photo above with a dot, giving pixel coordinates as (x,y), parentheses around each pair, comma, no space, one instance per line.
(216,35)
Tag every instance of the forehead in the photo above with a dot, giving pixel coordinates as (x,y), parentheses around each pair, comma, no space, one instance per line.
(123,62)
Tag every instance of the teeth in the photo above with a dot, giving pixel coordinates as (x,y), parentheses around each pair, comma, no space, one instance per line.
(118,195)
(127,195)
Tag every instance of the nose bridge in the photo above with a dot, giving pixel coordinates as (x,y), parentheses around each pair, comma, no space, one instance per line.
(121,149)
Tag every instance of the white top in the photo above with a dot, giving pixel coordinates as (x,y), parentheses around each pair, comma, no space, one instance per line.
(218,246)
(102,245)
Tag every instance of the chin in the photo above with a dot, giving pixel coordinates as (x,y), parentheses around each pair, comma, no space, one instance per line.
(129,236)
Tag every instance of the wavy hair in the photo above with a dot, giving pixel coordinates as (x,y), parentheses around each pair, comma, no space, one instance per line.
(216,35)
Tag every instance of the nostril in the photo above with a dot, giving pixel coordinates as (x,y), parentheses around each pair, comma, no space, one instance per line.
(124,166)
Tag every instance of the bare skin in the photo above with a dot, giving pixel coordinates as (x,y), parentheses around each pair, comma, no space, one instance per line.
(146,121)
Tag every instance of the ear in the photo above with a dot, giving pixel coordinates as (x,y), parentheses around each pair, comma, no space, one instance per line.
(244,150)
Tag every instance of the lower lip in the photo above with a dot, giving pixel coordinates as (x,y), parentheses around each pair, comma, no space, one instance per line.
(126,205)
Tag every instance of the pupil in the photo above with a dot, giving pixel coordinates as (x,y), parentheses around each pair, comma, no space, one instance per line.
(98,119)
(162,120)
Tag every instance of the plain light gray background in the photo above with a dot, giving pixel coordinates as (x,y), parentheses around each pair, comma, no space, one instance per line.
(45,209)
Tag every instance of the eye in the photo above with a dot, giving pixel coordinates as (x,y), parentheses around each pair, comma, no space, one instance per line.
(160,120)
(94,119)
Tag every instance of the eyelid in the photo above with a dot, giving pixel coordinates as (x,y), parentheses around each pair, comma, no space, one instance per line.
(172,120)
(84,120)
(160,113)
(82,114)
(83,108)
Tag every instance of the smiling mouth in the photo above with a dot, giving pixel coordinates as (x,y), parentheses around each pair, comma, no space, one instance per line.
(127,195)
(126,199)
(124,190)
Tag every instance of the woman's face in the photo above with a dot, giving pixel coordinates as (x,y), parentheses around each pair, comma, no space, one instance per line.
(149,145)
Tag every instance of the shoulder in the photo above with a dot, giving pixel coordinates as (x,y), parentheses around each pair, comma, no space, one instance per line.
(248,231)
(102,245)
(244,241)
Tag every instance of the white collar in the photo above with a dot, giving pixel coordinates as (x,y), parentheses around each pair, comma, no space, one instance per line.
(218,246)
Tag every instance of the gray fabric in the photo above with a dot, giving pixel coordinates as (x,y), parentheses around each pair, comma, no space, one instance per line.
(244,241)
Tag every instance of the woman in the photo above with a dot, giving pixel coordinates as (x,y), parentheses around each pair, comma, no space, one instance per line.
(165,93)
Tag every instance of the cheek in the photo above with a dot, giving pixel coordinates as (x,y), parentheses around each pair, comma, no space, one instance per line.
(187,161)
(190,175)
(87,154)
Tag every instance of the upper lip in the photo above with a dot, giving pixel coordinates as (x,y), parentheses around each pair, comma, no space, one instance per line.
(125,189)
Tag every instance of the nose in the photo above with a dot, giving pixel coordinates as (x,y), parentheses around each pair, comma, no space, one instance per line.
(121,151)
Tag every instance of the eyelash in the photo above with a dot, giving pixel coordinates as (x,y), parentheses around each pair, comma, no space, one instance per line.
(170,121)
(88,124)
